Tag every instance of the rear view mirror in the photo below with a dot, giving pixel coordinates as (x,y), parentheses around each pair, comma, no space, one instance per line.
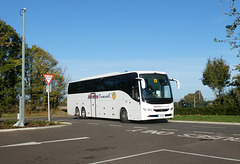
(143,83)
(177,82)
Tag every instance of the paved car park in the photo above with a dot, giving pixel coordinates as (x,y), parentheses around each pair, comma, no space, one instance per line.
(110,141)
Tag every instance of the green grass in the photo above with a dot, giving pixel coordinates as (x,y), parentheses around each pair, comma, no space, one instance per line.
(209,118)
(55,113)
(8,124)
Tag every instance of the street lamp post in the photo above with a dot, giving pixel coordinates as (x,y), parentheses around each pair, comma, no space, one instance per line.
(20,123)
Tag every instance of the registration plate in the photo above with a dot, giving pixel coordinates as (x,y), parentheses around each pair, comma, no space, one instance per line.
(161,115)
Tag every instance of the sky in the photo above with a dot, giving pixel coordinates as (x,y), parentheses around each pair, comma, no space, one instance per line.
(94,37)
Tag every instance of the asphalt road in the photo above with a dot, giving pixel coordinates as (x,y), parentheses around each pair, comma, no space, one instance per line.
(112,142)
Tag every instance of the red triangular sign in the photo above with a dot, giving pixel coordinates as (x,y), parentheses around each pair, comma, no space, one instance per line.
(48,78)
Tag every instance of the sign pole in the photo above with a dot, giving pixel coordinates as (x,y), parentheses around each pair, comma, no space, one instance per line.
(48,103)
(48,78)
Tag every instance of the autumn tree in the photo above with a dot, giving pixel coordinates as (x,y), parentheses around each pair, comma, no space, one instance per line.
(10,67)
(216,75)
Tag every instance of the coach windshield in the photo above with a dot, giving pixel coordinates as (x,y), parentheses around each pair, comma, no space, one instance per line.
(157,89)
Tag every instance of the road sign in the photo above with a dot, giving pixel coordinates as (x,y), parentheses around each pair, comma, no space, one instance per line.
(48,78)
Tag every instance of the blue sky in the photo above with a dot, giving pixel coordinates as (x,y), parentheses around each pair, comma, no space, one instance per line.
(92,37)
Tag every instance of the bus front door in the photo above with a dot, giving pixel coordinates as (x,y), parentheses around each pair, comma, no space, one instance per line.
(93,105)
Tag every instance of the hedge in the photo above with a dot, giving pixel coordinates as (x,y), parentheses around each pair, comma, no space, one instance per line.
(208,110)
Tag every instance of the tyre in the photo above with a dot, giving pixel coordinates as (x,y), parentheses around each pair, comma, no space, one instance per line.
(83,113)
(77,113)
(124,116)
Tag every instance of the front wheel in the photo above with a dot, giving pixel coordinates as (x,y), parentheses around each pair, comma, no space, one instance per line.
(124,116)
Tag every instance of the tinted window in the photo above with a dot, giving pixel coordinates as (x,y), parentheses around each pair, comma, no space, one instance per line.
(126,83)
(157,89)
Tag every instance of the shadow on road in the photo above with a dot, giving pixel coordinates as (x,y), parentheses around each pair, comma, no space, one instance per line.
(136,122)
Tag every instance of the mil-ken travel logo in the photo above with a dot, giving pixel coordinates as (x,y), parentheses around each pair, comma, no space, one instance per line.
(114,95)
(102,96)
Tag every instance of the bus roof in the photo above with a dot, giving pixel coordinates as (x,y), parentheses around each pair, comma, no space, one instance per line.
(117,73)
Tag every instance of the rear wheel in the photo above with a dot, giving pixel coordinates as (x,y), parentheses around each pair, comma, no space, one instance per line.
(124,116)
(83,113)
(77,113)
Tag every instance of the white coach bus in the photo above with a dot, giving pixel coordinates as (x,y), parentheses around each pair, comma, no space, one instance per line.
(141,95)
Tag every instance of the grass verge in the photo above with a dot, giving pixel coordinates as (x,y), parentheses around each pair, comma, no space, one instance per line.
(209,118)
(8,124)
(54,113)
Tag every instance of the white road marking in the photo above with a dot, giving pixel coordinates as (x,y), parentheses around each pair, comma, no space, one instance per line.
(175,130)
(129,156)
(44,142)
(22,144)
(202,155)
(166,150)
(196,135)
(64,140)
(203,132)
(134,130)
(138,127)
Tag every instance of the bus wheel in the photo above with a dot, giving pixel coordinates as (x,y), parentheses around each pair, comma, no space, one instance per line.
(77,113)
(124,116)
(83,113)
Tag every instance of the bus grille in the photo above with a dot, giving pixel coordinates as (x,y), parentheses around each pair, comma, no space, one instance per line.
(166,115)
(160,110)
(153,116)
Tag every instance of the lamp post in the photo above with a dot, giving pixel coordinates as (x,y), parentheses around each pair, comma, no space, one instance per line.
(20,122)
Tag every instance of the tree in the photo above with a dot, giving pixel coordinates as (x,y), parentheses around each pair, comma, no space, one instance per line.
(233,38)
(233,35)
(59,85)
(42,62)
(236,84)
(10,66)
(216,75)
(38,62)
(236,79)
(193,99)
